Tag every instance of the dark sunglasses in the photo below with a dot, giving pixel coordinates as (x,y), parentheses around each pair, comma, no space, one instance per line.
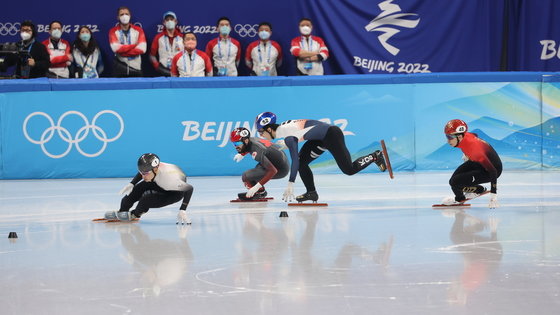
(451,137)
(237,143)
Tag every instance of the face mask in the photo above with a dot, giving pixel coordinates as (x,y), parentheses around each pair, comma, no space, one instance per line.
(85,37)
(305,30)
(25,35)
(125,18)
(264,35)
(169,25)
(224,30)
(190,45)
(56,34)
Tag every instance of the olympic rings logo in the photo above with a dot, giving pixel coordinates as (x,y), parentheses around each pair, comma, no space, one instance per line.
(246,30)
(80,135)
(9,28)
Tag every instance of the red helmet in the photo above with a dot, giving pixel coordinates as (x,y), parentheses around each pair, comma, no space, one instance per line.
(239,134)
(455,126)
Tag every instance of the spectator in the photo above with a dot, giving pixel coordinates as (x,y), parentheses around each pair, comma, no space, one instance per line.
(191,62)
(264,56)
(33,59)
(128,42)
(224,51)
(59,51)
(88,63)
(166,44)
(309,50)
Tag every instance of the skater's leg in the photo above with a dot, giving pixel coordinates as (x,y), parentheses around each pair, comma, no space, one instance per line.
(467,178)
(137,191)
(335,143)
(156,198)
(309,151)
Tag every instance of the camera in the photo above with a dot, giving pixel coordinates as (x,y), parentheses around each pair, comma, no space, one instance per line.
(13,53)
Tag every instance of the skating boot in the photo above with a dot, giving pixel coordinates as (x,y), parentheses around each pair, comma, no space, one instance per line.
(310,195)
(260,194)
(451,201)
(479,191)
(126,216)
(379,160)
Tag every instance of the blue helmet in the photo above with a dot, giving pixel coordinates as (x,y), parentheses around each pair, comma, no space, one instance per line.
(264,119)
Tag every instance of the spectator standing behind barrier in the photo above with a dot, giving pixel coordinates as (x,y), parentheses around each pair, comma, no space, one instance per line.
(224,51)
(59,51)
(191,62)
(32,61)
(309,50)
(265,55)
(166,44)
(128,42)
(88,63)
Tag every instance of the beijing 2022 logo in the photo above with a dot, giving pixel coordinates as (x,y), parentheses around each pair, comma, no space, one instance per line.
(63,130)
(387,22)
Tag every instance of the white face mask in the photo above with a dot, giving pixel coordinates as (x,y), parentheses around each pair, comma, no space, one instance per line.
(170,24)
(305,30)
(124,19)
(25,35)
(264,35)
(56,34)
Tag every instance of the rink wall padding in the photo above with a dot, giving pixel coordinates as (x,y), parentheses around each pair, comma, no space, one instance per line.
(98,128)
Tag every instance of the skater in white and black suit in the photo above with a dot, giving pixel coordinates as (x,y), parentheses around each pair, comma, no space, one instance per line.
(272,162)
(320,137)
(156,185)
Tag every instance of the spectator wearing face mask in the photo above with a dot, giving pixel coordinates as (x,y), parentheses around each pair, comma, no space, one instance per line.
(310,51)
(128,42)
(166,45)
(191,62)
(264,56)
(224,51)
(59,51)
(88,63)
(33,59)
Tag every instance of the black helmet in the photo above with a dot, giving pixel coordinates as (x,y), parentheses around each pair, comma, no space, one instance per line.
(147,162)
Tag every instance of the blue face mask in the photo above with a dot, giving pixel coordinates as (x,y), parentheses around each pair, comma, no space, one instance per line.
(264,35)
(85,37)
(224,30)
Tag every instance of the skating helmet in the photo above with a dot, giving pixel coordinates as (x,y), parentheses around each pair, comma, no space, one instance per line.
(264,119)
(147,162)
(239,134)
(455,126)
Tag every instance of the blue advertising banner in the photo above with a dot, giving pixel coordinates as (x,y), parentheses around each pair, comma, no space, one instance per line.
(363,36)
(68,132)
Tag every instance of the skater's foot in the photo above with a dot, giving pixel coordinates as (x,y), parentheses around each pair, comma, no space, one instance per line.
(379,160)
(452,201)
(126,216)
(480,190)
(310,195)
(261,194)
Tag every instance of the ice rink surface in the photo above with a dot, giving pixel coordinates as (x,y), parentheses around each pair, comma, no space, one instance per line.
(378,248)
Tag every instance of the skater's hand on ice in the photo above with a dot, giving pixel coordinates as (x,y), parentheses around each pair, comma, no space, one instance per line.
(253,190)
(183,218)
(238,157)
(289,193)
(126,189)
(493,201)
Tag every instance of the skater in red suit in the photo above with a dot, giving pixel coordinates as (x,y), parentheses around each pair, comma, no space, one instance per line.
(272,162)
(482,165)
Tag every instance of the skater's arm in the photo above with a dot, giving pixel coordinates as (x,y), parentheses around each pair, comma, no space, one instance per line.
(271,170)
(136,179)
(292,144)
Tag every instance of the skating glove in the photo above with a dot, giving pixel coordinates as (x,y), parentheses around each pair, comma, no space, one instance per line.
(493,201)
(289,193)
(465,158)
(183,217)
(126,189)
(238,157)
(253,190)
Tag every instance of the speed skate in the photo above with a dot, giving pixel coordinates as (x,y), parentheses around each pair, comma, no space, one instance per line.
(308,204)
(113,216)
(461,204)
(252,200)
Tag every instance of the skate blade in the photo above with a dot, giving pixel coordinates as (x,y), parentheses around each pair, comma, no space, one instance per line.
(122,221)
(387,161)
(312,204)
(250,200)
(99,220)
(451,206)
